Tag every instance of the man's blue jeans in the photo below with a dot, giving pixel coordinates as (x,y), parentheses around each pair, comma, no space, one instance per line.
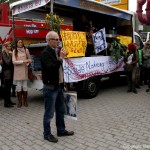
(54,102)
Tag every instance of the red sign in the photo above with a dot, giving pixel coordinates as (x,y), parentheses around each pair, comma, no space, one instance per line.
(29,30)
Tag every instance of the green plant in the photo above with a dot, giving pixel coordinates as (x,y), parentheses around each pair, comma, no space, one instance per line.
(117,50)
(54,21)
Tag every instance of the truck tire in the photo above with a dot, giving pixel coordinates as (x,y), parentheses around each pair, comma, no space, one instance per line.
(91,87)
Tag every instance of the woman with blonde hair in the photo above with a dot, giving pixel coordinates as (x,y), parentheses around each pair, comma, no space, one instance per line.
(8,69)
(21,60)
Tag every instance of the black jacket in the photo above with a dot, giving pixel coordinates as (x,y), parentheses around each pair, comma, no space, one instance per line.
(50,66)
(7,66)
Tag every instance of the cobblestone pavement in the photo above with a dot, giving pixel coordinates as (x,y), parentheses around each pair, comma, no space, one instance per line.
(114,120)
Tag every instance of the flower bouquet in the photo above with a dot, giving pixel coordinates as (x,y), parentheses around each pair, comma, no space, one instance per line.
(54,21)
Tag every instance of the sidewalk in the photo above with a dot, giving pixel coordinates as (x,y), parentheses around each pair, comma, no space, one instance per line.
(114,120)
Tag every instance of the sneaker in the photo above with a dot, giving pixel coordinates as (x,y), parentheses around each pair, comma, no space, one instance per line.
(65,133)
(51,138)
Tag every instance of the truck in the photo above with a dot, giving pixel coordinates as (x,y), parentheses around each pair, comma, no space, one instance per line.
(83,74)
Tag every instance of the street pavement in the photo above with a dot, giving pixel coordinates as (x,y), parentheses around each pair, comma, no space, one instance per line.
(114,120)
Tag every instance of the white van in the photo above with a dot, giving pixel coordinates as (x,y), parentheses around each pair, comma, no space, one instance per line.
(115,21)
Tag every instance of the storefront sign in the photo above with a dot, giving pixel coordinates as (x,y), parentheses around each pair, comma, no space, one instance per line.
(109,1)
(33,4)
(122,4)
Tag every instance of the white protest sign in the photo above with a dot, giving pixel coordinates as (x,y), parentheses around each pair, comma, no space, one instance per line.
(99,40)
(78,69)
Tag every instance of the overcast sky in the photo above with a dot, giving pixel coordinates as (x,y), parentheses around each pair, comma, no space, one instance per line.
(133,5)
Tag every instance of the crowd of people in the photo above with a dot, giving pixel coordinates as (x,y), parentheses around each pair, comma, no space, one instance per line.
(15,62)
(137,67)
(14,75)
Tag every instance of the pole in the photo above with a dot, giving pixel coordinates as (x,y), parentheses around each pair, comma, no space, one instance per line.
(51,11)
(13,28)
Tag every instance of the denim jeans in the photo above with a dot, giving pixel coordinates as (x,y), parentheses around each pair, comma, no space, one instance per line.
(54,102)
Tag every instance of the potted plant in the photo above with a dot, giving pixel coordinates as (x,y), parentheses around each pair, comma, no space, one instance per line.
(117,50)
(54,21)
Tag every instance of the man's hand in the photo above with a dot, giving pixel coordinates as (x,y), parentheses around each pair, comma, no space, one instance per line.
(63,53)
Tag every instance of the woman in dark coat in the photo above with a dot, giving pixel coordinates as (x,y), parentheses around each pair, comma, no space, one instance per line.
(8,73)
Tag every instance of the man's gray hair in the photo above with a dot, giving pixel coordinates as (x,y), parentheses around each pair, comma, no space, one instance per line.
(50,35)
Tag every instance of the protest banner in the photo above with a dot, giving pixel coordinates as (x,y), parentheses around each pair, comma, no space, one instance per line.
(74,43)
(78,69)
(99,40)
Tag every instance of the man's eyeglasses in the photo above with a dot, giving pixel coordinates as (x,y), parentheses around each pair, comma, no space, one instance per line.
(54,39)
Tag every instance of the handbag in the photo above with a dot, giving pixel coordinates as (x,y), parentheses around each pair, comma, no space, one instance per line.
(31,76)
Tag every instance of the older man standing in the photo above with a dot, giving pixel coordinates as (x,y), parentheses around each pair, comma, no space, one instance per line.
(52,77)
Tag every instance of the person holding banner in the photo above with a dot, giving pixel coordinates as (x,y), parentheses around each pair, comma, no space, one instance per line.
(52,77)
(90,44)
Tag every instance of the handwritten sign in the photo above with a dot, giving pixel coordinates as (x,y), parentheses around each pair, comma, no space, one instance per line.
(74,43)
(99,40)
(78,69)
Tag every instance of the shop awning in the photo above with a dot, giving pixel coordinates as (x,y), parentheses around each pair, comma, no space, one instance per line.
(89,5)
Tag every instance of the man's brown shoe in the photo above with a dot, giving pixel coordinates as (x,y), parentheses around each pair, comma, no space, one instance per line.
(65,133)
(51,138)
